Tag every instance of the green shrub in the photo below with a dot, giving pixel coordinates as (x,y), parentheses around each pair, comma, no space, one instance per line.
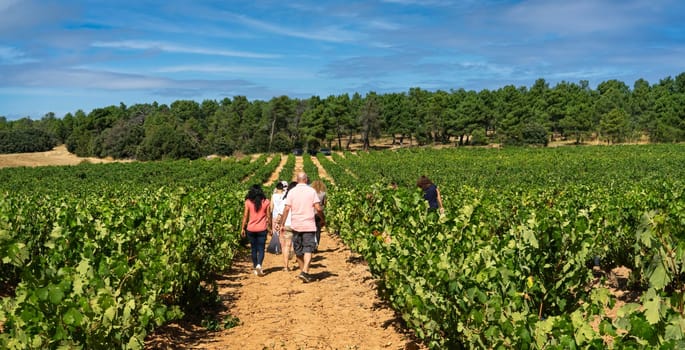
(26,140)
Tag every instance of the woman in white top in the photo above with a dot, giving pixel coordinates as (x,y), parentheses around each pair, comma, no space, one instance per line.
(276,203)
(287,236)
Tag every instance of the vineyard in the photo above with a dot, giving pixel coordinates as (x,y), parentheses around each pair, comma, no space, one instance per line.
(99,255)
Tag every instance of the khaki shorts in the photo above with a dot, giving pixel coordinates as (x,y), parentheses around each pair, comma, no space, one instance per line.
(288,233)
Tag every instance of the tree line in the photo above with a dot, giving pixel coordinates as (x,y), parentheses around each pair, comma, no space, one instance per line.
(535,115)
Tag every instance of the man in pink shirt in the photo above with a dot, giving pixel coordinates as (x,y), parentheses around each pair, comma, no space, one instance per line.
(302,203)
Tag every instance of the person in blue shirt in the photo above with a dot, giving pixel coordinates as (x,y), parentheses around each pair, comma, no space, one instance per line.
(431,193)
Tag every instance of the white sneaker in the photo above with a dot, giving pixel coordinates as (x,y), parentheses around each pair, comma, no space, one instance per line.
(259,271)
(255,272)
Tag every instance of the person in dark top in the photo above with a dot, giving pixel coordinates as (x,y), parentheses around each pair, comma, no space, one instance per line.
(431,193)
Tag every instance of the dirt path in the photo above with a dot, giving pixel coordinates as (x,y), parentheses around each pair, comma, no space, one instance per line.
(299,166)
(322,171)
(340,310)
(277,172)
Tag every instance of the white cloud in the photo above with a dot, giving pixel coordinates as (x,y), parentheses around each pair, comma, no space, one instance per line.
(199,49)
(383,25)
(581,16)
(168,47)
(330,33)
(11,55)
(81,78)
(90,79)
(261,71)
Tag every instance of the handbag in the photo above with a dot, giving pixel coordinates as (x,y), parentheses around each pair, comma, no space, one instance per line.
(275,245)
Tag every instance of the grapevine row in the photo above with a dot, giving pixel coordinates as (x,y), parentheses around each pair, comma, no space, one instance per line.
(509,264)
(102,265)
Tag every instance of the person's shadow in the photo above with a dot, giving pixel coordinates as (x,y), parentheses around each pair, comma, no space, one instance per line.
(319,276)
(274,269)
(329,250)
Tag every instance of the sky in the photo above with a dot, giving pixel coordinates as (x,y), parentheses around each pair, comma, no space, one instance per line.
(61,56)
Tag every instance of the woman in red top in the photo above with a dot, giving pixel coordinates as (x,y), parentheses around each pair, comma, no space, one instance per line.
(256,224)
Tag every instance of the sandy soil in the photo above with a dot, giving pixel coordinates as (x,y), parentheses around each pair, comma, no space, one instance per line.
(274,176)
(339,310)
(322,171)
(58,156)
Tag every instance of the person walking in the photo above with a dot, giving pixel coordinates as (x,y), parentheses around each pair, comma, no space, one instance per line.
(255,225)
(431,194)
(299,203)
(276,209)
(320,189)
(286,234)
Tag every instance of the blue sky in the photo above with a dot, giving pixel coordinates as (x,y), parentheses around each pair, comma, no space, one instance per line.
(63,55)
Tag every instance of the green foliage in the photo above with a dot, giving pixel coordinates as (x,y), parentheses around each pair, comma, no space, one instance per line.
(257,144)
(528,134)
(506,266)
(81,143)
(214,325)
(510,115)
(614,125)
(281,143)
(534,134)
(261,172)
(309,167)
(121,141)
(26,140)
(478,138)
(287,171)
(578,122)
(165,142)
(103,254)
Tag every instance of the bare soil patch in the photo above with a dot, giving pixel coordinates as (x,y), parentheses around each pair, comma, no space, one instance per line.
(299,166)
(322,171)
(339,310)
(277,172)
(57,156)
(616,280)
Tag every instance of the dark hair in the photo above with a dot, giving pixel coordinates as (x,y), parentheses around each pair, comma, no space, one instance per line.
(279,185)
(290,187)
(256,195)
(424,182)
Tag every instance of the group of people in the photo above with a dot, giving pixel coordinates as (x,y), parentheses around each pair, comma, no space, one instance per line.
(295,214)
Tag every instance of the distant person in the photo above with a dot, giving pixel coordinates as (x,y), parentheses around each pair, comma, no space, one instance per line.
(320,189)
(300,201)
(431,194)
(255,225)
